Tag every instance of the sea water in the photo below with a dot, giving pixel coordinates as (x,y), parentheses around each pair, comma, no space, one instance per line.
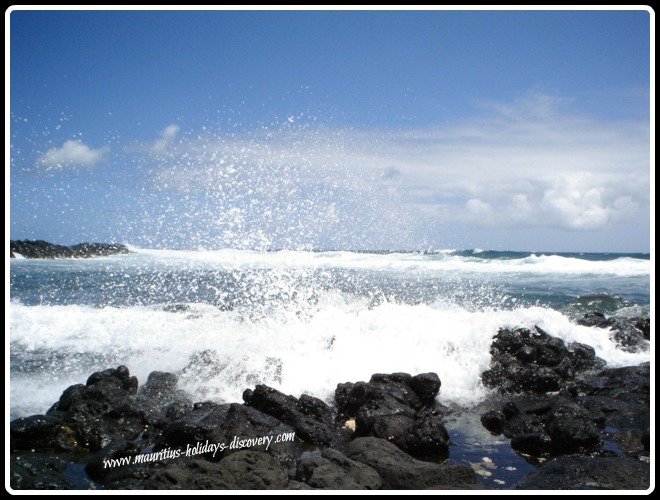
(302,321)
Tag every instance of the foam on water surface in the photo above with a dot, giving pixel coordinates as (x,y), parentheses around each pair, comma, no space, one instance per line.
(221,353)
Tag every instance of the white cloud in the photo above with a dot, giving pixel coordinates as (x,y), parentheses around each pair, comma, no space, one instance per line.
(528,164)
(72,154)
(168,134)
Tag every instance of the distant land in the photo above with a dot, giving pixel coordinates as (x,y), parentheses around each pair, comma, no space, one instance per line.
(39,249)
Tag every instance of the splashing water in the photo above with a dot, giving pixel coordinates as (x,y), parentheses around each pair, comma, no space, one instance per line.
(296,320)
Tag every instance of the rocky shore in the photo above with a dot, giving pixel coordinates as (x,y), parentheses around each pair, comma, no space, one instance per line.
(577,423)
(38,249)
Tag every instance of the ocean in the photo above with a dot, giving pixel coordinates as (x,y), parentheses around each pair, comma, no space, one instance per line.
(302,321)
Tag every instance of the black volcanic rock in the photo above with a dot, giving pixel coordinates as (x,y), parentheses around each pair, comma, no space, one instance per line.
(555,426)
(571,428)
(246,422)
(244,470)
(34,472)
(597,319)
(34,432)
(98,412)
(401,471)
(397,407)
(581,473)
(533,361)
(426,385)
(603,415)
(630,334)
(312,419)
(39,249)
(334,471)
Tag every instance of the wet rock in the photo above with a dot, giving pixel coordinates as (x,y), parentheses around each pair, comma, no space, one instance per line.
(494,421)
(245,422)
(30,472)
(596,319)
(429,435)
(554,426)
(400,417)
(102,410)
(243,470)
(254,470)
(426,386)
(316,409)
(526,360)
(34,432)
(528,435)
(287,409)
(190,475)
(161,389)
(629,338)
(297,486)
(399,470)
(167,414)
(627,441)
(510,409)
(111,383)
(334,471)
(630,384)
(571,428)
(580,473)
(101,466)
(630,334)
(190,426)
(392,390)
(382,407)
(583,357)
(180,433)
(400,408)
(422,435)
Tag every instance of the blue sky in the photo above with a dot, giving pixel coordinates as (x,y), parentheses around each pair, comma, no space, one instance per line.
(521,130)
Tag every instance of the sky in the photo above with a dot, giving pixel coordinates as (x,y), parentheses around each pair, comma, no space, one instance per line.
(388,130)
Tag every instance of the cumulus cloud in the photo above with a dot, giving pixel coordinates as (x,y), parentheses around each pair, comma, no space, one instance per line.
(72,154)
(168,134)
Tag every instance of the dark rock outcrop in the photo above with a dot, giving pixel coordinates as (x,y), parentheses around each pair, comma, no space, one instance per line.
(39,249)
(334,471)
(161,389)
(400,471)
(103,409)
(617,397)
(630,334)
(397,407)
(29,472)
(556,426)
(312,419)
(532,361)
(36,432)
(580,473)
(92,437)
(244,470)
(245,422)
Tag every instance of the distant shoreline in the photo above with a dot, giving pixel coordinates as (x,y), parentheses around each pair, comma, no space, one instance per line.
(39,249)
